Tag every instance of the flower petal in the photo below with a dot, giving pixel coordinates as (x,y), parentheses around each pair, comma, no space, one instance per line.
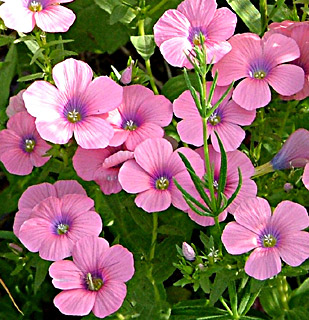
(237,239)
(63,187)
(306,176)
(154,200)
(251,94)
(76,302)
(286,79)
(20,217)
(75,204)
(109,298)
(66,275)
(233,113)
(263,263)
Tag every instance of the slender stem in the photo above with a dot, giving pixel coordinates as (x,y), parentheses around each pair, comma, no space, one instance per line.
(304,16)
(283,289)
(208,167)
(233,298)
(157,7)
(226,306)
(141,31)
(217,224)
(264,18)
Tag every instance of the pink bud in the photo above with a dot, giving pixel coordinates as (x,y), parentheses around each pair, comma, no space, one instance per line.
(188,251)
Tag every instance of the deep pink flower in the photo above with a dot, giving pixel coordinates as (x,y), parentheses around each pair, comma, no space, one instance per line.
(74,106)
(272,236)
(48,15)
(21,147)
(235,159)
(294,152)
(56,224)
(16,104)
(151,175)
(298,31)
(225,120)
(39,192)
(140,116)
(260,62)
(94,280)
(306,176)
(177,31)
(102,166)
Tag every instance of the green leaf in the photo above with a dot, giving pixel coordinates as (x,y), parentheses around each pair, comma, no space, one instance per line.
(7,235)
(270,298)
(144,45)
(4,40)
(177,85)
(41,272)
(38,53)
(7,72)
(248,13)
(31,77)
(57,42)
(60,54)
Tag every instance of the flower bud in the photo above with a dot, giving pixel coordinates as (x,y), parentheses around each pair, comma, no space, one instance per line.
(188,251)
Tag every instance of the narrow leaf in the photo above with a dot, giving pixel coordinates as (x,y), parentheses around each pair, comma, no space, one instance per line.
(31,77)
(232,198)
(212,88)
(192,91)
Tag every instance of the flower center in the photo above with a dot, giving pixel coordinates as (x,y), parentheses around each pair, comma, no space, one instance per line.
(214,119)
(269,241)
(74,116)
(62,228)
(197,39)
(35,6)
(130,125)
(29,145)
(216,185)
(93,283)
(162,183)
(260,74)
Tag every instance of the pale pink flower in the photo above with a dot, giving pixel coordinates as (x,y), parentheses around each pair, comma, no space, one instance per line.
(21,147)
(294,152)
(48,15)
(235,159)
(56,224)
(298,31)
(74,106)
(225,120)
(39,192)
(272,236)
(261,63)
(178,31)
(151,175)
(306,176)
(140,116)
(94,280)
(16,104)
(102,166)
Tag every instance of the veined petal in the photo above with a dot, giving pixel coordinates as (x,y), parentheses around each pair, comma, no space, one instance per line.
(237,239)
(55,18)
(77,302)
(75,204)
(153,200)
(233,113)
(17,162)
(251,94)
(191,131)
(64,187)
(172,24)
(20,217)
(198,12)
(306,176)
(263,263)
(286,79)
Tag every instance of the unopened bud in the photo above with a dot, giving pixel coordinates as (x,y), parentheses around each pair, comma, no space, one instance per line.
(287,187)
(188,251)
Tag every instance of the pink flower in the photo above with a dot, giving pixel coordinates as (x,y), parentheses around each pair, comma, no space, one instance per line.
(294,152)
(21,147)
(306,176)
(102,166)
(39,192)
(140,116)
(235,159)
(271,236)
(56,224)
(225,120)
(48,15)
(94,280)
(74,106)
(16,104)
(260,62)
(178,31)
(151,175)
(298,31)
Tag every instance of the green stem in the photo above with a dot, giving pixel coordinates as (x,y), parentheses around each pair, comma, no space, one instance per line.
(208,167)
(217,224)
(304,16)
(233,299)
(264,18)
(283,289)
(157,7)
(226,306)
(141,31)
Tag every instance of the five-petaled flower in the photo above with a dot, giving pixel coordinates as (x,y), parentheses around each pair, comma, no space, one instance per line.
(272,236)
(94,280)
